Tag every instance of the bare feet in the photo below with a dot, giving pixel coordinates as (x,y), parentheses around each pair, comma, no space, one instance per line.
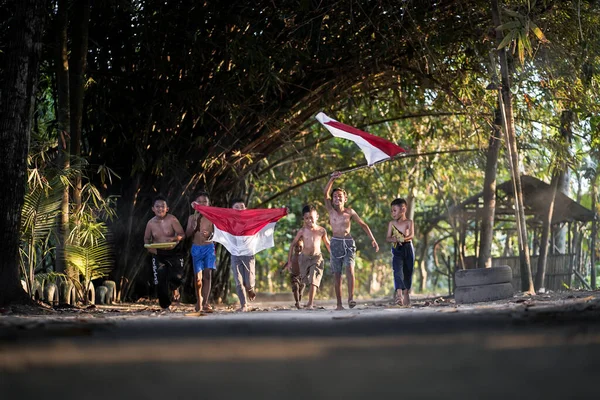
(298,305)
(251,294)
(176,297)
(207,308)
(309,306)
(339,307)
(197,308)
(399,297)
(242,309)
(406,299)
(351,303)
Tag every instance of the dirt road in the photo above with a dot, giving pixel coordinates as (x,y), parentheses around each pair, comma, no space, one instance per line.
(541,347)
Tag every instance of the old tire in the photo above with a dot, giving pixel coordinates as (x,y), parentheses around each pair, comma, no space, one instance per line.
(476,294)
(112,291)
(91,295)
(51,294)
(483,276)
(101,294)
(38,291)
(68,294)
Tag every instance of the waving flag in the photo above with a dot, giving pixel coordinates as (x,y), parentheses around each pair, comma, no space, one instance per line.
(243,232)
(375,148)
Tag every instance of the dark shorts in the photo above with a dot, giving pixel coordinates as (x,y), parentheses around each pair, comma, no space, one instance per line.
(343,252)
(169,259)
(403,264)
(168,275)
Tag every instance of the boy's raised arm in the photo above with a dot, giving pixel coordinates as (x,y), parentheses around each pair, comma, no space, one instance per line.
(328,187)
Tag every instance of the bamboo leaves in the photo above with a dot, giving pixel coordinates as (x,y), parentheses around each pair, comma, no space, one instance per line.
(517,36)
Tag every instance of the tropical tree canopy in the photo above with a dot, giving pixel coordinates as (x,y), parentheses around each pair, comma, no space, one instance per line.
(185,96)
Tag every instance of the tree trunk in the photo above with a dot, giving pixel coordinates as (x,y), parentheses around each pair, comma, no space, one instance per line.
(546,228)
(18,87)
(594,231)
(506,108)
(77,66)
(566,133)
(63,127)
(489,201)
(423,263)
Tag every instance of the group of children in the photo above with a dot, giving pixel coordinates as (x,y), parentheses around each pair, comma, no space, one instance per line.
(305,260)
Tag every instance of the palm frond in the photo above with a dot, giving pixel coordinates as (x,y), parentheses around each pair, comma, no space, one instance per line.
(93,261)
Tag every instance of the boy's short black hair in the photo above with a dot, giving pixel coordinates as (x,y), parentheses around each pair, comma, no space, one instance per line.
(236,200)
(159,197)
(339,190)
(398,202)
(308,208)
(202,193)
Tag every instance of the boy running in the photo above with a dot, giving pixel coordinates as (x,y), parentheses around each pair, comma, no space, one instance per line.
(400,232)
(203,253)
(310,260)
(167,264)
(243,269)
(293,266)
(343,248)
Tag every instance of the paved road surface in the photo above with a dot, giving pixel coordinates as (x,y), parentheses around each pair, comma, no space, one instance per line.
(520,350)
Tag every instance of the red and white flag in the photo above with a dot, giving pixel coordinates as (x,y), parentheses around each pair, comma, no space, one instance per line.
(243,232)
(375,148)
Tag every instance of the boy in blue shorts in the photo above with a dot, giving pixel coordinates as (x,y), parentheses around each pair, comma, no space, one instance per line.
(203,253)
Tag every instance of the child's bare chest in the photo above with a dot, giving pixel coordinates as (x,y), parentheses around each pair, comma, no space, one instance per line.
(337,218)
(163,227)
(402,226)
(312,235)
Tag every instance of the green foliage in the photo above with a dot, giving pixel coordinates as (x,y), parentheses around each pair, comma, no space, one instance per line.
(519,28)
(190,95)
(38,221)
(93,261)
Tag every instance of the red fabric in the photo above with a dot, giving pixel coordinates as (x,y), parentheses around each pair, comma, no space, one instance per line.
(241,222)
(386,146)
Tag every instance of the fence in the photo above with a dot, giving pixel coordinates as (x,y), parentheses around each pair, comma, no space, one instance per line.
(558,270)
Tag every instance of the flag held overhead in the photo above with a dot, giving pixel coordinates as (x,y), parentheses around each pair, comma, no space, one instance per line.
(243,232)
(375,149)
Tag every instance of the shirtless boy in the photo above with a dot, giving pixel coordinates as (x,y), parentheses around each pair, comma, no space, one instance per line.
(310,260)
(400,233)
(203,253)
(343,248)
(167,264)
(293,265)
(243,269)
